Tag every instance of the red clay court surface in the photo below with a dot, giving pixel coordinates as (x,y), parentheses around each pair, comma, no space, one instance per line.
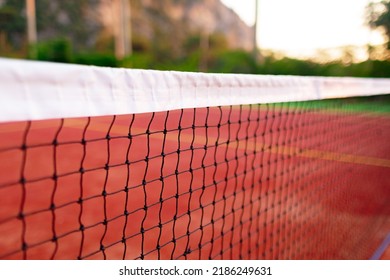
(303,185)
(386,254)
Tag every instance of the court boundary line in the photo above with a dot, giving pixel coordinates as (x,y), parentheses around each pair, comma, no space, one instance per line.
(379,252)
(287,150)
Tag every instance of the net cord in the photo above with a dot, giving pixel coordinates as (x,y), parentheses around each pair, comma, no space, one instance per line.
(31,90)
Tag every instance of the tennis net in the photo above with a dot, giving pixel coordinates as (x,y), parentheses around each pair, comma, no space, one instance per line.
(99,163)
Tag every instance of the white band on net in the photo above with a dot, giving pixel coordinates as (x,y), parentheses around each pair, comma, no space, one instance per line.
(42,90)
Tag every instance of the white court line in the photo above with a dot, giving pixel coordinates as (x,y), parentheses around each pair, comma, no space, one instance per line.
(381,249)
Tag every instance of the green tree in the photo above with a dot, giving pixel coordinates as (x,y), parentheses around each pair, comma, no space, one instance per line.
(75,20)
(379,17)
(13,22)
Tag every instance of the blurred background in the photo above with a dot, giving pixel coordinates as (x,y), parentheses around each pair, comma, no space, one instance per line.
(300,37)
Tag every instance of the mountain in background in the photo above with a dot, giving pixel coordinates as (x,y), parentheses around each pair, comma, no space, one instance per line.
(175,21)
(182,35)
(173,25)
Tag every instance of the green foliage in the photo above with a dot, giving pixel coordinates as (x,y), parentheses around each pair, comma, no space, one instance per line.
(13,22)
(98,59)
(217,61)
(140,44)
(375,68)
(137,61)
(236,61)
(69,33)
(218,42)
(289,66)
(58,50)
(11,19)
(70,20)
(376,104)
(192,43)
(54,19)
(379,17)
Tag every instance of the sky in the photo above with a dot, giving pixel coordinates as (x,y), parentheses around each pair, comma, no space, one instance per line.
(301,27)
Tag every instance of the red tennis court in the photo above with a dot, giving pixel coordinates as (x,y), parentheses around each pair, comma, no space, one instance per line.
(238,182)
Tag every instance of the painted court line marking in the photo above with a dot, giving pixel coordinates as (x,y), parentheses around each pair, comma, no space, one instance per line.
(187,138)
(381,249)
(287,150)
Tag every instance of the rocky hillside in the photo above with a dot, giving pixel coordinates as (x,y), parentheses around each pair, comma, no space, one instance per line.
(173,21)
(170,25)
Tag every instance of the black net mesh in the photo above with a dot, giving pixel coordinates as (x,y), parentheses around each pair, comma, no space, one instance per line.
(304,180)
